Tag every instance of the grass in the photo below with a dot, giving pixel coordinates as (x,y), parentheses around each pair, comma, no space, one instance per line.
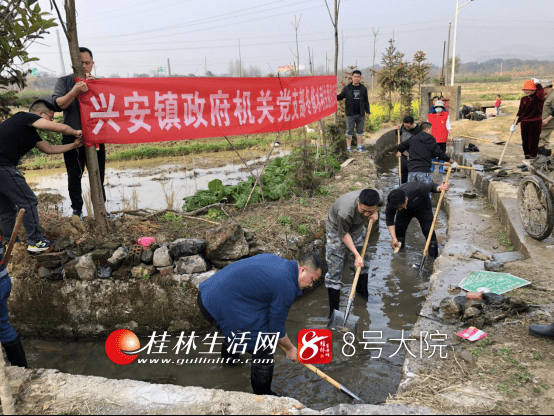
(504,240)
(283,220)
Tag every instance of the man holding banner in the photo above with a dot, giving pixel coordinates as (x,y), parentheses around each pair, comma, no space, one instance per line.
(66,94)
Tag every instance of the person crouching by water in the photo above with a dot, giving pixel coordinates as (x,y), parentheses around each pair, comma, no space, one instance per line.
(253,297)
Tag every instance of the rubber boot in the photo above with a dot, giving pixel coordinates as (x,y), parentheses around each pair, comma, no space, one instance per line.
(226,355)
(434,249)
(334,301)
(543,331)
(15,353)
(361,287)
(260,377)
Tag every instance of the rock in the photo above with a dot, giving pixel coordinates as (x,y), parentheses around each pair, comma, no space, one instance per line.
(450,306)
(471,312)
(121,273)
(44,272)
(249,234)
(191,264)
(293,242)
(470,194)
(62,244)
(178,326)
(69,270)
(86,268)
(254,249)
(111,246)
(220,264)
(226,242)
(142,271)
(196,279)
(162,258)
(474,303)
(101,255)
(118,257)
(104,272)
(147,256)
(187,247)
(165,271)
(494,266)
(67,256)
(90,330)
(508,256)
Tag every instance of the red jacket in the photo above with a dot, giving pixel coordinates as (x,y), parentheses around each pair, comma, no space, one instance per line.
(498,102)
(438,121)
(530,106)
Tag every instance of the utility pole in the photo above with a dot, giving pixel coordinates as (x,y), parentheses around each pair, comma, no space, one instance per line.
(92,158)
(62,66)
(442,82)
(205,66)
(448,52)
(458,7)
(168,68)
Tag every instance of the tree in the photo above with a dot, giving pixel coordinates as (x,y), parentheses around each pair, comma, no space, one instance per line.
(21,23)
(296,25)
(387,76)
(420,68)
(449,65)
(335,22)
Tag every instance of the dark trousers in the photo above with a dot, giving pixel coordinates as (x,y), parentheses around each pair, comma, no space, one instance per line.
(75,163)
(424,216)
(530,136)
(264,354)
(15,194)
(404,167)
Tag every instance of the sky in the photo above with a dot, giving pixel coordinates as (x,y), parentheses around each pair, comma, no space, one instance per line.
(128,37)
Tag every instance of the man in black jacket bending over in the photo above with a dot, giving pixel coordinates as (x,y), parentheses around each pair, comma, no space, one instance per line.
(421,148)
(411,200)
(356,106)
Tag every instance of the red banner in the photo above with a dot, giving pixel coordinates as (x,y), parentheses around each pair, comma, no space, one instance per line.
(142,110)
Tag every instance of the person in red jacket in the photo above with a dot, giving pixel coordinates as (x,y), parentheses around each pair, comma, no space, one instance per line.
(497,105)
(530,117)
(440,120)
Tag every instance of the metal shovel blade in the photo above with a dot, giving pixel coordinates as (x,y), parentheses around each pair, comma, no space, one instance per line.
(338,323)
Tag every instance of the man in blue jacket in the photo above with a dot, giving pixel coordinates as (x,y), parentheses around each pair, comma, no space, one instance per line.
(356,106)
(253,296)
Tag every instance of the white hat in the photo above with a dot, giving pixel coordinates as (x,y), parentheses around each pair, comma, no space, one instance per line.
(439,103)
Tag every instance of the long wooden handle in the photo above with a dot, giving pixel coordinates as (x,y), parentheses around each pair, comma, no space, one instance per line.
(15,232)
(506,145)
(318,372)
(425,250)
(459,166)
(399,160)
(359,269)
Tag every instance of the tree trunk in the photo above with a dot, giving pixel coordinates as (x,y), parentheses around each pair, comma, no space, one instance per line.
(336,24)
(92,159)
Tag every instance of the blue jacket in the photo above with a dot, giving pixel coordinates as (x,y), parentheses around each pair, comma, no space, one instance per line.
(252,295)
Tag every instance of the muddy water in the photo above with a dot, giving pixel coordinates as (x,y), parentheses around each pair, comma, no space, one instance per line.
(397,293)
(148,187)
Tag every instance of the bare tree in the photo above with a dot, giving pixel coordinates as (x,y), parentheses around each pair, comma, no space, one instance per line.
(335,22)
(296,25)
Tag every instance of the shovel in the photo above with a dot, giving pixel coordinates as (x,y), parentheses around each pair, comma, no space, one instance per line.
(344,321)
(15,232)
(426,249)
(327,378)
(506,145)
(478,168)
(484,140)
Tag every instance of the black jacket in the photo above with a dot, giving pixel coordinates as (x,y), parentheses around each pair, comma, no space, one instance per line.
(348,94)
(422,148)
(418,199)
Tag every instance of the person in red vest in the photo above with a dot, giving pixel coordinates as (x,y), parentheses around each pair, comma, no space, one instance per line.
(530,117)
(497,105)
(442,130)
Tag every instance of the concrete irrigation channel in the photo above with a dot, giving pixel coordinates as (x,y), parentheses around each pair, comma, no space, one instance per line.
(70,377)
